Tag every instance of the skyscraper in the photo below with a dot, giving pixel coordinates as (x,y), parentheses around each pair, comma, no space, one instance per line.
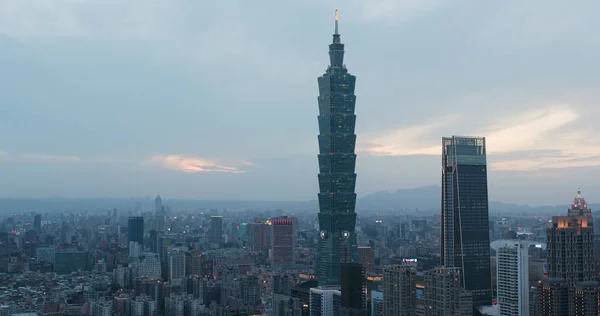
(283,241)
(337,199)
(570,242)
(135,229)
(37,222)
(216,229)
(464,228)
(513,278)
(353,290)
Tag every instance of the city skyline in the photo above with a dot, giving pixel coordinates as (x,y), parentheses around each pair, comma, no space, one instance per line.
(127,102)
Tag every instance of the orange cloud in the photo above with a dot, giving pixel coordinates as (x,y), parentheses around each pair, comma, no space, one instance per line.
(192,164)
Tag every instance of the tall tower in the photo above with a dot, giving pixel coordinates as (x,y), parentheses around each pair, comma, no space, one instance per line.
(464,228)
(337,199)
(570,242)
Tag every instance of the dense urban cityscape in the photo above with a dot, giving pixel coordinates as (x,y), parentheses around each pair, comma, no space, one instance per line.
(322,260)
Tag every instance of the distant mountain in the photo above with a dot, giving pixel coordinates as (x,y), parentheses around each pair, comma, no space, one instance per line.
(424,199)
(428,198)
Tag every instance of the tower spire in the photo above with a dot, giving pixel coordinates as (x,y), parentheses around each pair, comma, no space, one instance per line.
(336,22)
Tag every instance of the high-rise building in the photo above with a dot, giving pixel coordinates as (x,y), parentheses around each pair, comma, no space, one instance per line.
(377,303)
(159,214)
(442,293)
(353,291)
(177,265)
(366,257)
(216,229)
(464,223)
(337,160)
(283,241)
(586,299)
(553,298)
(135,229)
(174,305)
(570,244)
(150,265)
(259,236)
(37,222)
(399,290)
(324,302)
(513,278)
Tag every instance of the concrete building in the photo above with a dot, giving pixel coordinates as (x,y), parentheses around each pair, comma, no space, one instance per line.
(324,301)
(283,241)
(377,303)
(570,242)
(553,299)
(399,290)
(443,295)
(513,278)
(177,265)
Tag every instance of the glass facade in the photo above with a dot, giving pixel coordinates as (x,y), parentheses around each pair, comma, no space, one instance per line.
(337,179)
(465,234)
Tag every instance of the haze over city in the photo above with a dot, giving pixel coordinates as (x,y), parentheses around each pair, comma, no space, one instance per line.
(217,100)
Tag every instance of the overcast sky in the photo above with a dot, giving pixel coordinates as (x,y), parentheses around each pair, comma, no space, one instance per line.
(217,99)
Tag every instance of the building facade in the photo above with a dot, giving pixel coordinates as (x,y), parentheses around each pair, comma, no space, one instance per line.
(442,293)
(283,241)
(353,290)
(513,278)
(324,302)
(216,229)
(337,160)
(399,290)
(570,244)
(135,230)
(464,228)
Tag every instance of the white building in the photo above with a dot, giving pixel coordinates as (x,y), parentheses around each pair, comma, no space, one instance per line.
(323,302)
(513,278)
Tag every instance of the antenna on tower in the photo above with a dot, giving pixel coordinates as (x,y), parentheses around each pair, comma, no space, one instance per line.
(336,21)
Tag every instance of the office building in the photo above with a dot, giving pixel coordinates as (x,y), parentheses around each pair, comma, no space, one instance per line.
(337,160)
(553,298)
(464,223)
(216,229)
(283,241)
(135,230)
(324,302)
(570,244)
(399,290)
(353,290)
(513,278)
